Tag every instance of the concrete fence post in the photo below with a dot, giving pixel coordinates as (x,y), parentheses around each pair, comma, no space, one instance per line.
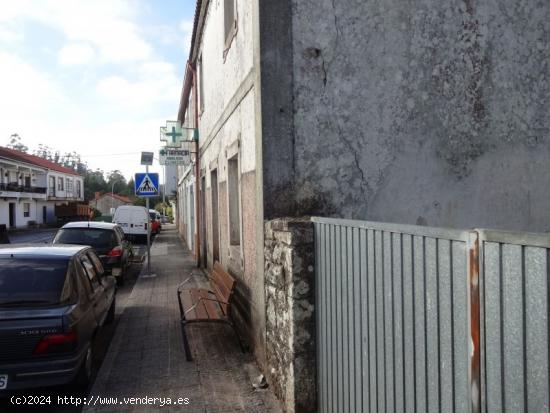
(290,306)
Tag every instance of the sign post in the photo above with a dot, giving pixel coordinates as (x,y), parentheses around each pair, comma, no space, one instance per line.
(147,186)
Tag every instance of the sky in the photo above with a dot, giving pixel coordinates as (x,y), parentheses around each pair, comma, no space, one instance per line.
(98,77)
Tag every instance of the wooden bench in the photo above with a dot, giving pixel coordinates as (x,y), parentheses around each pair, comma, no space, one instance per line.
(213,305)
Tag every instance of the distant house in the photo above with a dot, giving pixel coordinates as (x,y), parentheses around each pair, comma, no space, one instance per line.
(104,202)
(31,187)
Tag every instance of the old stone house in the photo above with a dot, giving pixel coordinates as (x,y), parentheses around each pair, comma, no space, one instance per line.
(107,201)
(431,113)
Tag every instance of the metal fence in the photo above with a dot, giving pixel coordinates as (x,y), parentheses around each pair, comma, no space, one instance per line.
(515,314)
(403,326)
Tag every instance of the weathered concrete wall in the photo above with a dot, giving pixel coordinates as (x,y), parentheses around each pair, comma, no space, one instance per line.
(277,144)
(428,112)
(290,299)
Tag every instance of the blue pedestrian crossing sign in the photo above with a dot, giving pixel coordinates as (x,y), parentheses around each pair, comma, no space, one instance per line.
(146,184)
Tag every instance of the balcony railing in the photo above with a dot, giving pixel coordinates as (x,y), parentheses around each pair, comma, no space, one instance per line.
(13,187)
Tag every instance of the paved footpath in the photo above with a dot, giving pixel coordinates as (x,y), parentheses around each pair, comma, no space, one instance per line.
(146,357)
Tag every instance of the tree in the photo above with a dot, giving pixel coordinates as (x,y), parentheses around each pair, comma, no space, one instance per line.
(44,151)
(16,143)
(116,176)
(128,190)
(94,181)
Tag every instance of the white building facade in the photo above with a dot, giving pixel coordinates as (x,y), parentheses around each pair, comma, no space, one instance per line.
(31,187)
(220,99)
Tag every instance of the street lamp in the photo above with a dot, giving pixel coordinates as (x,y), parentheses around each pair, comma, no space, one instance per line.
(112,194)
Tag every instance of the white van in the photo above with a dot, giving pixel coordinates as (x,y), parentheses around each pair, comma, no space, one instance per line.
(133,220)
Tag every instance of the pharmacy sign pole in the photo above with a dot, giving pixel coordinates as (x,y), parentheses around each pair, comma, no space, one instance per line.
(146,186)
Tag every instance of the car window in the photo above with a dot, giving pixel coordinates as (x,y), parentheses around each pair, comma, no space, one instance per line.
(34,281)
(84,287)
(97,238)
(90,271)
(96,261)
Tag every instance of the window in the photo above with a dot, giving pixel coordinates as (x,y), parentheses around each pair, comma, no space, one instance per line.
(26,210)
(233,195)
(201,86)
(60,184)
(230,24)
(51,190)
(69,186)
(27,181)
(78,189)
(26,279)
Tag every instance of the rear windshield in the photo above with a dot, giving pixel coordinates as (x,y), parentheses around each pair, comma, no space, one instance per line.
(33,282)
(97,238)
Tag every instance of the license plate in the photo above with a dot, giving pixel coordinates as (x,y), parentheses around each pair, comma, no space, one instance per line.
(3,381)
(116,272)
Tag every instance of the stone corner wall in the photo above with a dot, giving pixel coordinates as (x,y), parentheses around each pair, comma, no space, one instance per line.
(290,319)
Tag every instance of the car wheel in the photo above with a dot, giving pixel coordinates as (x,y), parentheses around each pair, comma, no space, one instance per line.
(84,376)
(111,314)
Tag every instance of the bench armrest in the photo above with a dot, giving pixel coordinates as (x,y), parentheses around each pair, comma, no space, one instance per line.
(191,308)
(184,282)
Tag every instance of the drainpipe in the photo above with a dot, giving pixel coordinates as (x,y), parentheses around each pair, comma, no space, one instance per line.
(191,82)
(197,169)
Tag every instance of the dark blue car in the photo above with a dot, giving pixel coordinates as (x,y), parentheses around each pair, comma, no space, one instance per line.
(53,302)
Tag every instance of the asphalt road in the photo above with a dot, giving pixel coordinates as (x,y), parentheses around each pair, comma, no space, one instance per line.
(39,236)
(101,344)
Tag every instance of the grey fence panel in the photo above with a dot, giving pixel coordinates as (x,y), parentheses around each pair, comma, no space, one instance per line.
(515,294)
(393,319)
(461,386)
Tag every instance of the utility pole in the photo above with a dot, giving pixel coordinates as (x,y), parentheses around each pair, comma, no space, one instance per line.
(113,195)
(148,230)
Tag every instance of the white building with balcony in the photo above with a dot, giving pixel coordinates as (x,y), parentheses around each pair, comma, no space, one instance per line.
(31,187)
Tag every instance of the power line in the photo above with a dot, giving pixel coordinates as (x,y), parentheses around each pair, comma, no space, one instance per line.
(110,154)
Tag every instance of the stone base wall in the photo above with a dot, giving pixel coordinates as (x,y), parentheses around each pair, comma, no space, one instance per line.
(290,323)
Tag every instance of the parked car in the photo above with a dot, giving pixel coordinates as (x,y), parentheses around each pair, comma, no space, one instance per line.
(156,224)
(107,239)
(133,221)
(53,302)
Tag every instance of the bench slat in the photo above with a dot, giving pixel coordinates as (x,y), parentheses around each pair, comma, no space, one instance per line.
(224,278)
(219,287)
(214,309)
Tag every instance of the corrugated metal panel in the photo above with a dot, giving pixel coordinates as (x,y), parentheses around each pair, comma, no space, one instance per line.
(515,295)
(392,317)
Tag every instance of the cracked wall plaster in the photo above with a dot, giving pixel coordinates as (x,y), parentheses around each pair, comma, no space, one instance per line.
(416,112)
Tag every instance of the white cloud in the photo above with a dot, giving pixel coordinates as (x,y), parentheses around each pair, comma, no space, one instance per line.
(156,83)
(129,81)
(104,24)
(76,54)
(10,36)
(186,26)
(26,91)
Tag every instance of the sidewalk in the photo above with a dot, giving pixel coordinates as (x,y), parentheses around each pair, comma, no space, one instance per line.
(146,357)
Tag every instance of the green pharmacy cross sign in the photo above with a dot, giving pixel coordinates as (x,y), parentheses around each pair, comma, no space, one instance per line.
(174,134)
